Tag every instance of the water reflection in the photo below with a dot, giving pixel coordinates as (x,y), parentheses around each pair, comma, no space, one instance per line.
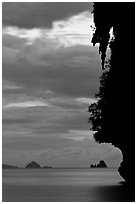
(117,193)
(75,185)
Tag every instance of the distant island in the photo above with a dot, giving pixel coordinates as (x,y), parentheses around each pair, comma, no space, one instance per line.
(35,165)
(46,167)
(31,165)
(6,166)
(101,164)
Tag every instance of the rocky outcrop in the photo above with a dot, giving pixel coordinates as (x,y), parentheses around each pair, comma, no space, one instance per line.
(33,164)
(101,164)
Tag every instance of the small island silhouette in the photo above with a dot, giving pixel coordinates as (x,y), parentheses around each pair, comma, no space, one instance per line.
(31,165)
(35,165)
(6,166)
(101,164)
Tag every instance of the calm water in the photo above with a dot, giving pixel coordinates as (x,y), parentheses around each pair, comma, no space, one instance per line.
(62,185)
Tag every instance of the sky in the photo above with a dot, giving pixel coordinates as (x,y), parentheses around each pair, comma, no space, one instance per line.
(50,73)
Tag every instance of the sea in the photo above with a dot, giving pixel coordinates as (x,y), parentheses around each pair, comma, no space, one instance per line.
(64,185)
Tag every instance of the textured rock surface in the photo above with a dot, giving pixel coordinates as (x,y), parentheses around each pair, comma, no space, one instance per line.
(33,164)
(101,164)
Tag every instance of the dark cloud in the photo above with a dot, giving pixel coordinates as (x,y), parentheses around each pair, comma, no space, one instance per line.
(37,143)
(13,92)
(76,121)
(34,14)
(13,42)
(43,121)
(10,121)
(62,75)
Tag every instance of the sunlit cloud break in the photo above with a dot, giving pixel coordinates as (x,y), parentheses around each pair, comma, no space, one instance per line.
(87,100)
(63,33)
(9,85)
(26,104)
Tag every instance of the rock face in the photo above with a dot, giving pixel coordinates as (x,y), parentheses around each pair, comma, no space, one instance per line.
(101,164)
(33,164)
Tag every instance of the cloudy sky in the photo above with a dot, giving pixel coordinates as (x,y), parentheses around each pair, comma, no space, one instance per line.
(50,75)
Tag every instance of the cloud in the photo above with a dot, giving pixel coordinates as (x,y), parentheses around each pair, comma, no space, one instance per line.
(50,75)
(41,57)
(69,32)
(7,85)
(9,54)
(87,100)
(66,32)
(53,72)
(34,14)
(11,40)
(45,121)
(8,121)
(25,104)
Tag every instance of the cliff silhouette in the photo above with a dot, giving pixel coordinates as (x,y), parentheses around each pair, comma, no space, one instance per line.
(113,116)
